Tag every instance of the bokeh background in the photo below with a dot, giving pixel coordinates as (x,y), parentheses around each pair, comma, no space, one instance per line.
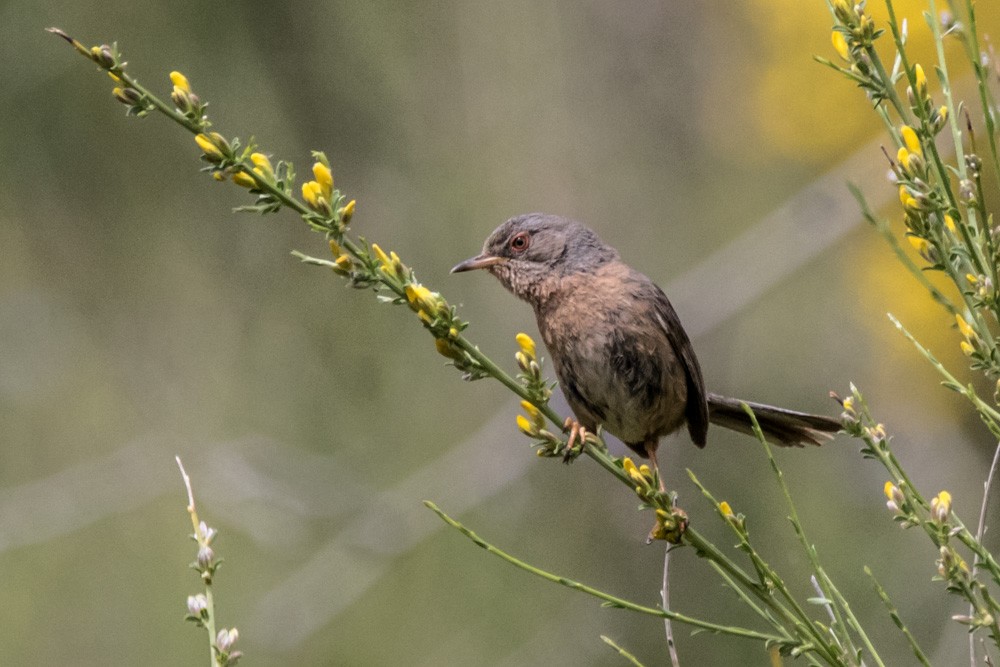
(140,318)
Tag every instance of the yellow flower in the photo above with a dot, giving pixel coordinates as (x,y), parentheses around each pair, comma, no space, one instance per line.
(949,222)
(344,262)
(919,244)
(347,212)
(724,507)
(964,327)
(262,165)
(312,192)
(921,80)
(532,411)
(526,427)
(526,344)
(324,177)
(633,472)
(381,256)
(422,299)
(840,44)
(973,279)
(903,156)
(943,113)
(849,403)
(910,139)
(180,81)
(244,179)
(445,349)
(890,490)
(208,146)
(967,349)
(941,507)
(904,194)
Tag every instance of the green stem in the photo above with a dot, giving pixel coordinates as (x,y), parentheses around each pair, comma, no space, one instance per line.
(622,652)
(611,600)
(795,616)
(894,614)
(826,585)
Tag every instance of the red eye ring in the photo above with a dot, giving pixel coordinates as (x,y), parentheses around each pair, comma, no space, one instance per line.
(520,242)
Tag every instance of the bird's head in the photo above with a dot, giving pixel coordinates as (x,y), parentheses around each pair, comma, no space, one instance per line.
(529,252)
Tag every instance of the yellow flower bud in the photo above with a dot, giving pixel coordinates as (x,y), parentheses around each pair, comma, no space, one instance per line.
(344,262)
(903,156)
(347,212)
(964,327)
(207,146)
(445,349)
(526,344)
(840,44)
(422,299)
(889,490)
(244,179)
(219,176)
(943,113)
(949,222)
(525,426)
(324,177)
(311,192)
(180,81)
(919,244)
(633,472)
(263,164)
(114,77)
(967,349)
(381,256)
(910,139)
(921,80)
(904,194)
(724,507)
(973,279)
(532,411)
(335,248)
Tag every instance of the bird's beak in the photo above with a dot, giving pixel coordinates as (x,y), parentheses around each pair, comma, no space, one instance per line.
(478,262)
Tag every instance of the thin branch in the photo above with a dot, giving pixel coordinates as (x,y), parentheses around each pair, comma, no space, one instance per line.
(980,532)
(665,596)
(610,600)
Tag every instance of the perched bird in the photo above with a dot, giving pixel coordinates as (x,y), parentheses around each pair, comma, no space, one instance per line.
(621,355)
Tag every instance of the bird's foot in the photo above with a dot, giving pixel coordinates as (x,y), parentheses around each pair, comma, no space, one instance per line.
(670,526)
(577,439)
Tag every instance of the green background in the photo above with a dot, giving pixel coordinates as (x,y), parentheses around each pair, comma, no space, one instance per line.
(140,319)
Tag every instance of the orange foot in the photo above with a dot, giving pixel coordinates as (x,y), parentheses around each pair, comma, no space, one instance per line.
(576,440)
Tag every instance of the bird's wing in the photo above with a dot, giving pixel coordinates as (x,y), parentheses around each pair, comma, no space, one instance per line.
(697,405)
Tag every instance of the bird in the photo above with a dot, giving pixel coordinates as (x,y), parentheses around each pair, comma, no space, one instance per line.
(622,357)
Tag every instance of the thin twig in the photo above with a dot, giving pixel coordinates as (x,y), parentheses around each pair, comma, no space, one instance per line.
(665,596)
(980,532)
(609,600)
(622,652)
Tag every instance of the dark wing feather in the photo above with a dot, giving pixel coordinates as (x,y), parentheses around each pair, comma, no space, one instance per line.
(697,405)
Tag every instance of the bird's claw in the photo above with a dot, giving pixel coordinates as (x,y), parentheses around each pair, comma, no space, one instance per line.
(577,439)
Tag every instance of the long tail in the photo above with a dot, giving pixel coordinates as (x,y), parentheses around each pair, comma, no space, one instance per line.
(785,428)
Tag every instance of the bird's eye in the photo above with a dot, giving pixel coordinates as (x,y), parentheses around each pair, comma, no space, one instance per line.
(520,242)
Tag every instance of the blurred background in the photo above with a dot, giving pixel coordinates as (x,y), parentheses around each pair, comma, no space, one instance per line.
(140,319)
